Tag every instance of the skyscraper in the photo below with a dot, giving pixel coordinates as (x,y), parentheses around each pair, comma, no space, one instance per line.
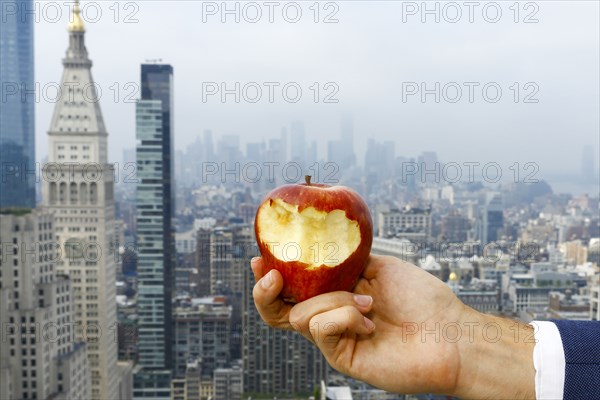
(78,190)
(41,359)
(493,218)
(347,142)
(276,362)
(17,130)
(297,143)
(202,331)
(341,151)
(155,237)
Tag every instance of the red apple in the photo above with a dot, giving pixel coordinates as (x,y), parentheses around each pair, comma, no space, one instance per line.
(318,236)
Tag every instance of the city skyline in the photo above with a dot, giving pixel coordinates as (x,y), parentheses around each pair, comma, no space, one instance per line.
(362,76)
(139,252)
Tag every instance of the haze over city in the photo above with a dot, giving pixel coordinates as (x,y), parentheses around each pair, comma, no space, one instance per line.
(369,54)
(384,200)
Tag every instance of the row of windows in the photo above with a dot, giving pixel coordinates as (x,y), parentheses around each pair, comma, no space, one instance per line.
(44,225)
(78,194)
(73,157)
(75,211)
(69,130)
(75,219)
(405,219)
(73,147)
(61,116)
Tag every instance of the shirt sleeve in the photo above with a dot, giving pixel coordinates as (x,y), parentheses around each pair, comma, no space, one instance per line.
(548,361)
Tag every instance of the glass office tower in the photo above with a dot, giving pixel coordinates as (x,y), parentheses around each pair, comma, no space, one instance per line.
(17,128)
(155,237)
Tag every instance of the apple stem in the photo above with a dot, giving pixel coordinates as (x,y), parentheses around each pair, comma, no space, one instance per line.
(307,179)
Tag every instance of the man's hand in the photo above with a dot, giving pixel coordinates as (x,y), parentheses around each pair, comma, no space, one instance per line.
(403,330)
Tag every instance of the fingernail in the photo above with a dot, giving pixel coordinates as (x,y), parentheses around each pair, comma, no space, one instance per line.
(369,324)
(253,263)
(267,280)
(363,300)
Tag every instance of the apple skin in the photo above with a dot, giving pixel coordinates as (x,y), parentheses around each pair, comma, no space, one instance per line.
(300,284)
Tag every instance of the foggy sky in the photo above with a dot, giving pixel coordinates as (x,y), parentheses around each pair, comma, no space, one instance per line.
(369,53)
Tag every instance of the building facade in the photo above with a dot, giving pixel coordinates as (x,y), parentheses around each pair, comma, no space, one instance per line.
(155,236)
(17,120)
(194,385)
(493,218)
(227,383)
(413,224)
(40,357)
(78,189)
(201,332)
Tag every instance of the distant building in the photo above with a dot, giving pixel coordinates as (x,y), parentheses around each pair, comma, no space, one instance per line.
(493,218)
(127,332)
(202,263)
(400,248)
(247,212)
(227,383)
(155,239)
(17,114)
(413,224)
(185,242)
(575,252)
(540,231)
(297,143)
(379,162)
(480,295)
(595,299)
(429,168)
(229,254)
(594,251)
(202,332)
(186,274)
(335,392)
(194,385)
(341,151)
(276,362)
(532,290)
(125,390)
(568,306)
(37,303)
(455,227)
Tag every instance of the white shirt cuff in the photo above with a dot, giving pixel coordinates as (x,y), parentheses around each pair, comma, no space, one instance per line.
(548,361)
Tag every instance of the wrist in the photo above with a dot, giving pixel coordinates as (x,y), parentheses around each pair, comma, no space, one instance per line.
(496,359)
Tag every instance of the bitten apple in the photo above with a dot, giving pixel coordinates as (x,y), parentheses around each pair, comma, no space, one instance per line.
(318,236)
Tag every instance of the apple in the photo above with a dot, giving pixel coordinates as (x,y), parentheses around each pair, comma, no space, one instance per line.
(317,236)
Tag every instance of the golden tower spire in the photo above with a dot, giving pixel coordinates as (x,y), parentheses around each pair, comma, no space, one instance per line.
(76,22)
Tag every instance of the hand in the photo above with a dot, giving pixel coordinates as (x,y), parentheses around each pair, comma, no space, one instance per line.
(398,331)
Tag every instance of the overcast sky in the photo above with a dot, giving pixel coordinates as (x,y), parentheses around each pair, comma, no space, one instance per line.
(370,54)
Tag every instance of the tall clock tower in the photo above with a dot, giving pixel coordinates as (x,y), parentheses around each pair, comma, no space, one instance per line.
(78,190)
